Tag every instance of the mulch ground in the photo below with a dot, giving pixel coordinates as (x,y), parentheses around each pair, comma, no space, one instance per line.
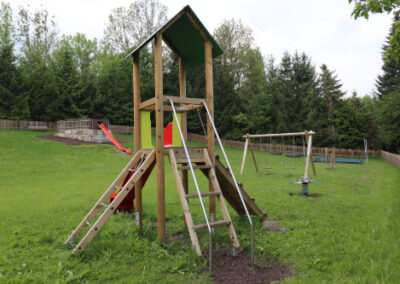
(68,141)
(229,269)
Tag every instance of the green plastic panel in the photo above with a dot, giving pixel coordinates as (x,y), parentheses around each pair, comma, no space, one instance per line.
(176,137)
(145,127)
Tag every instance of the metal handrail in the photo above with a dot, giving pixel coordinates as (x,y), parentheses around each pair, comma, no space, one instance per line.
(194,179)
(234,179)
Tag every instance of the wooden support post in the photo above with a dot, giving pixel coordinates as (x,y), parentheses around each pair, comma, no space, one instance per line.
(326,157)
(182,94)
(252,154)
(246,145)
(158,86)
(137,132)
(210,104)
(333,158)
(309,145)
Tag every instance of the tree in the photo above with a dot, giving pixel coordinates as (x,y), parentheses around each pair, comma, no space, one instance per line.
(12,104)
(330,90)
(389,81)
(388,118)
(363,8)
(128,27)
(37,33)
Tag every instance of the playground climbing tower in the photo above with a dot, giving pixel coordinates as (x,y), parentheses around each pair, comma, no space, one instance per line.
(189,40)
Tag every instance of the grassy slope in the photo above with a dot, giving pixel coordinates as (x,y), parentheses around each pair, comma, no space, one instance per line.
(351,234)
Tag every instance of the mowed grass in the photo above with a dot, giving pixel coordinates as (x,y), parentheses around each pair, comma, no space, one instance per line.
(349,235)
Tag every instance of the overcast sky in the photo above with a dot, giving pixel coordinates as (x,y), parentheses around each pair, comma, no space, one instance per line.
(323,29)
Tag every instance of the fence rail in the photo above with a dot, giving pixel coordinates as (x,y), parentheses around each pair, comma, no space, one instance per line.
(317,151)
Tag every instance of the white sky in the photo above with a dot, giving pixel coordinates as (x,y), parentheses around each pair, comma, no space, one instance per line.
(323,29)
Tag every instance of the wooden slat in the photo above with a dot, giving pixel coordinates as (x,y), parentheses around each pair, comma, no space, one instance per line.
(180,100)
(194,167)
(148,103)
(195,153)
(212,225)
(204,194)
(185,205)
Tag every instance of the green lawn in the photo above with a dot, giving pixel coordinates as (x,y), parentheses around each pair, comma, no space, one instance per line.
(351,234)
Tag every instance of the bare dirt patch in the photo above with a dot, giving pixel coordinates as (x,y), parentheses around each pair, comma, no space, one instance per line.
(271,225)
(229,269)
(73,142)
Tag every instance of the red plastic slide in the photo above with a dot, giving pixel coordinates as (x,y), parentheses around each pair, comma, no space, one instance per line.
(115,142)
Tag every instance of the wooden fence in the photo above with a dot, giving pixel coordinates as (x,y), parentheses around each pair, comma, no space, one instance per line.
(391,158)
(317,151)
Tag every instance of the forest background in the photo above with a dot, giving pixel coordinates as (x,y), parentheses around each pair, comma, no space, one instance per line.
(48,77)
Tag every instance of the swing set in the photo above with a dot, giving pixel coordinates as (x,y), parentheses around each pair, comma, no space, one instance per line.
(304,181)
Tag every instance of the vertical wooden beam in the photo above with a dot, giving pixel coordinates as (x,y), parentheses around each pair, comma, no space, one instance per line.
(210,105)
(158,86)
(137,132)
(309,145)
(182,94)
(253,155)
(333,158)
(246,144)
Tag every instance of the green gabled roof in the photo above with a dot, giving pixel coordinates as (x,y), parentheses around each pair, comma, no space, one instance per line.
(182,36)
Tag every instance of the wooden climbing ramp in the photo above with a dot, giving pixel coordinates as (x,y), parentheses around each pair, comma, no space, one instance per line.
(231,195)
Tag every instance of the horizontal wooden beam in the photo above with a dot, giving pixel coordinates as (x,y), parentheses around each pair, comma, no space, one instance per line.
(149,102)
(279,134)
(178,100)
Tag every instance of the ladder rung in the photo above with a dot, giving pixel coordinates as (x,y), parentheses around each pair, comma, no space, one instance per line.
(212,225)
(131,170)
(204,194)
(103,204)
(87,223)
(194,167)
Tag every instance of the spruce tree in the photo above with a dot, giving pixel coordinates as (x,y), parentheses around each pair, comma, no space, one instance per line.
(389,81)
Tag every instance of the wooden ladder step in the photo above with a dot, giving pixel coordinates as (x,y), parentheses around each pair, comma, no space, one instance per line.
(194,167)
(212,225)
(204,194)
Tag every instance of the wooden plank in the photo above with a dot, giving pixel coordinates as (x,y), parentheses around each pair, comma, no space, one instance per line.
(229,191)
(246,145)
(195,153)
(194,167)
(180,100)
(192,107)
(204,194)
(148,103)
(114,205)
(104,198)
(185,204)
(158,86)
(212,225)
(333,158)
